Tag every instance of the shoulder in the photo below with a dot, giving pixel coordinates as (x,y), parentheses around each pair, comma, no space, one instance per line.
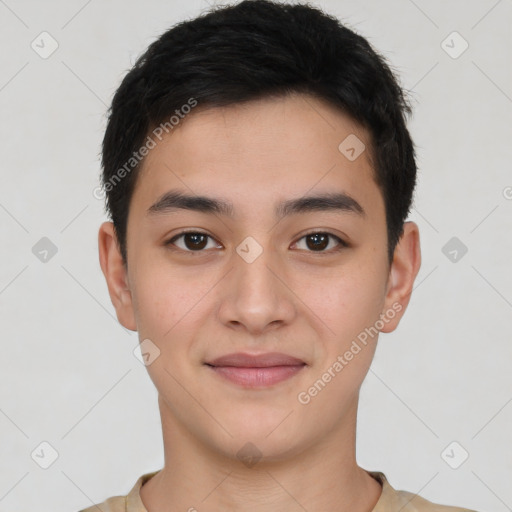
(129,503)
(114,504)
(392,499)
(418,504)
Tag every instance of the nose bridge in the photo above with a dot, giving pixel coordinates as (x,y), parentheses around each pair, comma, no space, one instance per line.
(254,279)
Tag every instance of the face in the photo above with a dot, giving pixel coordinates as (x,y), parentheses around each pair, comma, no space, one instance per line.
(264,271)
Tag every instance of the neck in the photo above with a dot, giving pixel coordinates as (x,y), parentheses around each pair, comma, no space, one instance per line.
(196,477)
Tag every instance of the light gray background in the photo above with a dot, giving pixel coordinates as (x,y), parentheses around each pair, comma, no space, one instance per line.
(68,373)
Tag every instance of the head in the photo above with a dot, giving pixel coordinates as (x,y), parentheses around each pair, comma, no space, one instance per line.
(278,122)
(242,53)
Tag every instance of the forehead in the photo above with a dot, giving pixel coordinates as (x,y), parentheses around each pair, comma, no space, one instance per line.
(260,152)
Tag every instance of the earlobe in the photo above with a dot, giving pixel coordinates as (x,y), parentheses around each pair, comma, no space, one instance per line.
(115,273)
(404,269)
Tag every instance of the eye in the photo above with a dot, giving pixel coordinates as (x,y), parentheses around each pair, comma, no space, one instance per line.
(194,241)
(319,240)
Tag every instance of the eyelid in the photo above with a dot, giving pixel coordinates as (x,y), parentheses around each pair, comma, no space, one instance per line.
(341,242)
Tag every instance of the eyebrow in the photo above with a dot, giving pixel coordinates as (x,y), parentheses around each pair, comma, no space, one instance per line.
(177,200)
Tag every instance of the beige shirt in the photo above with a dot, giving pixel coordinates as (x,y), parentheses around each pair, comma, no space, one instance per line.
(390,500)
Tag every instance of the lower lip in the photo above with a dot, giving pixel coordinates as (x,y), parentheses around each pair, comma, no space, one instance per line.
(257,377)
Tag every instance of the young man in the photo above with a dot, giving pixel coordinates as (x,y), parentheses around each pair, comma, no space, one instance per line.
(258,172)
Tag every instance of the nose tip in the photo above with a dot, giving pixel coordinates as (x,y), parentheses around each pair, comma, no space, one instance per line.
(255,296)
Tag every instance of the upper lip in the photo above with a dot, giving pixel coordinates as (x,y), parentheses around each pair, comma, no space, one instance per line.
(243,360)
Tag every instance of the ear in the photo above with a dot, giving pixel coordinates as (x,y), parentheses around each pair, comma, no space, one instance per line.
(115,274)
(404,269)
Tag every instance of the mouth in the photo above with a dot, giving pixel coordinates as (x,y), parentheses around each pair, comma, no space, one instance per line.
(251,371)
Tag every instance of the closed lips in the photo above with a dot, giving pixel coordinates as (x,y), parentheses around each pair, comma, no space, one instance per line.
(269,359)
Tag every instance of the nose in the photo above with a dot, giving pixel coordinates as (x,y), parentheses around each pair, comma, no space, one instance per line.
(257,295)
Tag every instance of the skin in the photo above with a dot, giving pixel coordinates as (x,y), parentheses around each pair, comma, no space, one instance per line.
(292,299)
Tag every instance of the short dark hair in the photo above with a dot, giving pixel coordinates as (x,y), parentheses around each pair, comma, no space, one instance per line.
(253,50)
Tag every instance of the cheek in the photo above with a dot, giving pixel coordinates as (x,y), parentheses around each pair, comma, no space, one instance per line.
(171,306)
(160,300)
(346,302)
(349,307)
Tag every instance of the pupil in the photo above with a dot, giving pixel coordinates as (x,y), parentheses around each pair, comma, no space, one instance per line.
(195,237)
(316,237)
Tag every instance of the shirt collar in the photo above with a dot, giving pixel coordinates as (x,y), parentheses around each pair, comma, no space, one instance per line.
(388,498)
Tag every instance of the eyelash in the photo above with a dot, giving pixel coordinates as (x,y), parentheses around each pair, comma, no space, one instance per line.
(342,243)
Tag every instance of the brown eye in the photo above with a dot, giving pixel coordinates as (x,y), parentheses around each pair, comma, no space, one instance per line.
(319,241)
(193,241)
